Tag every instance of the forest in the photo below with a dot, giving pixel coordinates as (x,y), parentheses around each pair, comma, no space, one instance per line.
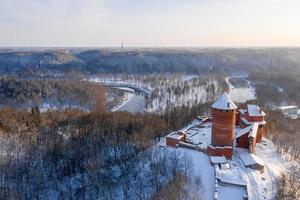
(23,93)
(277,86)
(37,61)
(72,154)
(81,150)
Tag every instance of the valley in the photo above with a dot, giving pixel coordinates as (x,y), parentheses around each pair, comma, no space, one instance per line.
(103,135)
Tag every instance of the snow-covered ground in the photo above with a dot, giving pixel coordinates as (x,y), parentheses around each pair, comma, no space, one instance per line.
(238,180)
(258,186)
(201,168)
(179,92)
(44,107)
(231,193)
(200,136)
(263,186)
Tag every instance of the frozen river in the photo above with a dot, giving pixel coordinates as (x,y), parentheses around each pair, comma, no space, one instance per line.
(135,103)
(243,93)
(135,96)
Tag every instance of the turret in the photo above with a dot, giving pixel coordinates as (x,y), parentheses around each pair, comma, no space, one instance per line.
(223,126)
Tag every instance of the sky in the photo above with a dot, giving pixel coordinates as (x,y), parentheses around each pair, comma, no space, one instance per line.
(150,23)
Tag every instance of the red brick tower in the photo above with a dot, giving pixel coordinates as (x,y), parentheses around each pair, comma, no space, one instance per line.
(223,126)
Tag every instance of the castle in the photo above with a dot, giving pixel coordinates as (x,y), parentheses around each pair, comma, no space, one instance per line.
(227,127)
(226,119)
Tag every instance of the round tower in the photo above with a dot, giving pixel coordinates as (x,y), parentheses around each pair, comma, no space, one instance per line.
(223,121)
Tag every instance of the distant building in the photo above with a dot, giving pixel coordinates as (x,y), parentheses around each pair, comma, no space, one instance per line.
(289,111)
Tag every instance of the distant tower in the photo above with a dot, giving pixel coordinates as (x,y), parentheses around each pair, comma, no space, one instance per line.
(223,126)
(122,45)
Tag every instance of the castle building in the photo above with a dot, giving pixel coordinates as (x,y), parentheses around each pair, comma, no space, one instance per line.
(252,120)
(226,128)
(223,127)
(247,137)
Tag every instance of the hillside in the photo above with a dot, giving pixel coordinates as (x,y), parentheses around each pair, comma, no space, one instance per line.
(191,61)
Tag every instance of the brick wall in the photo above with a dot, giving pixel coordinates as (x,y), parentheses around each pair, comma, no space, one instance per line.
(171,141)
(218,151)
(260,133)
(223,126)
(242,142)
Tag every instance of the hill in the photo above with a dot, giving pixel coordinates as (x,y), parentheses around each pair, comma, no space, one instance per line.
(142,61)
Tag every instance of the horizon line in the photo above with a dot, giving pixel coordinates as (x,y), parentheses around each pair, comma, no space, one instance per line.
(145,47)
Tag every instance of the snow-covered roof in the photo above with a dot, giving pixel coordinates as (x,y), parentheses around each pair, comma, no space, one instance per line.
(231,176)
(219,147)
(225,166)
(262,122)
(175,135)
(242,111)
(224,102)
(218,159)
(245,121)
(251,159)
(200,136)
(186,128)
(254,128)
(287,107)
(243,131)
(254,110)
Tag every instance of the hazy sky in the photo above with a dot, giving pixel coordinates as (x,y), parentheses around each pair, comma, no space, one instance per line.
(150,22)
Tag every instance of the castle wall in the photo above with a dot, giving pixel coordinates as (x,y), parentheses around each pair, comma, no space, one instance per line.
(242,142)
(220,151)
(223,126)
(254,118)
(252,144)
(172,142)
(260,133)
